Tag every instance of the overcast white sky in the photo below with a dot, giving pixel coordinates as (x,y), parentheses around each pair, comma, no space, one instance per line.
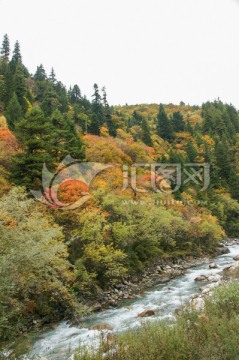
(143,51)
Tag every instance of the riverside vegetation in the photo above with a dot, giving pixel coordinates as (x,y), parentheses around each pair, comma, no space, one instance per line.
(211,334)
(54,263)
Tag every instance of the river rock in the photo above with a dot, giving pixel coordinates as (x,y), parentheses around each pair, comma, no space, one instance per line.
(236,258)
(146,313)
(206,289)
(197,303)
(213,266)
(201,278)
(113,303)
(162,280)
(96,307)
(223,250)
(167,268)
(101,327)
(228,268)
(214,278)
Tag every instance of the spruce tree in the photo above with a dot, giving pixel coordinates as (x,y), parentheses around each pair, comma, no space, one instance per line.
(5,49)
(34,134)
(223,158)
(13,112)
(20,87)
(17,57)
(189,128)
(177,121)
(234,184)
(146,138)
(164,126)
(49,100)
(98,116)
(191,152)
(40,74)
(52,77)
(66,141)
(2,93)
(75,94)
(108,115)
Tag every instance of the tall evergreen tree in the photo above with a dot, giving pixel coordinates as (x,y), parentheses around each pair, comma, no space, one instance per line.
(50,100)
(177,121)
(5,49)
(108,115)
(20,87)
(191,152)
(75,94)
(223,158)
(52,77)
(189,128)
(13,112)
(65,138)
(34,134)
(98,115)
(146,137)
(17,57)
(164,126)
(40,74)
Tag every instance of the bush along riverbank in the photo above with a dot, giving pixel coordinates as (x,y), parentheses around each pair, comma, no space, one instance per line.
(205,329)
(159,272)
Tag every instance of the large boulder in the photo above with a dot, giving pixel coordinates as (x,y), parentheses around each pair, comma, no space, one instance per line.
(146,313)
(101,327)
(236,258)
(221,250)
(213,266)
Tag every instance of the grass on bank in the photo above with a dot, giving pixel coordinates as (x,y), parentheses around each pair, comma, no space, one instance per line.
(210,335)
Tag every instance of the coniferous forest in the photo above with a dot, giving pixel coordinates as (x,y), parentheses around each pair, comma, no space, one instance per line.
(55,263)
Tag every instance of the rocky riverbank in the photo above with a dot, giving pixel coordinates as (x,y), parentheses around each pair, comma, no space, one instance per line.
(226,274)
(159,272)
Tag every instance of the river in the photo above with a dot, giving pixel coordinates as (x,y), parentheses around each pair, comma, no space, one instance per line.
(59,343)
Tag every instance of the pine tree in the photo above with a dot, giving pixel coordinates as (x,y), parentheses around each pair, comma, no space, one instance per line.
(136,119)
(5,49)
(189,128)
(13,112)
(146,138)
(40,74)
(2,93)
(98,116)
(191,152)
(20,87)
(177,121)
(9,84)
(223,158)
(65,138)
(75,94)
(17,57)
(164,126)
(49,100)
(234,184)
(34,134)
(52,77)
(108,116)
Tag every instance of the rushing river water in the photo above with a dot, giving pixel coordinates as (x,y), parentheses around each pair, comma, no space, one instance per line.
(60,343)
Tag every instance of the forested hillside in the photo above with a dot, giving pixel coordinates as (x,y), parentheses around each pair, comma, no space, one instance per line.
(53,262)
